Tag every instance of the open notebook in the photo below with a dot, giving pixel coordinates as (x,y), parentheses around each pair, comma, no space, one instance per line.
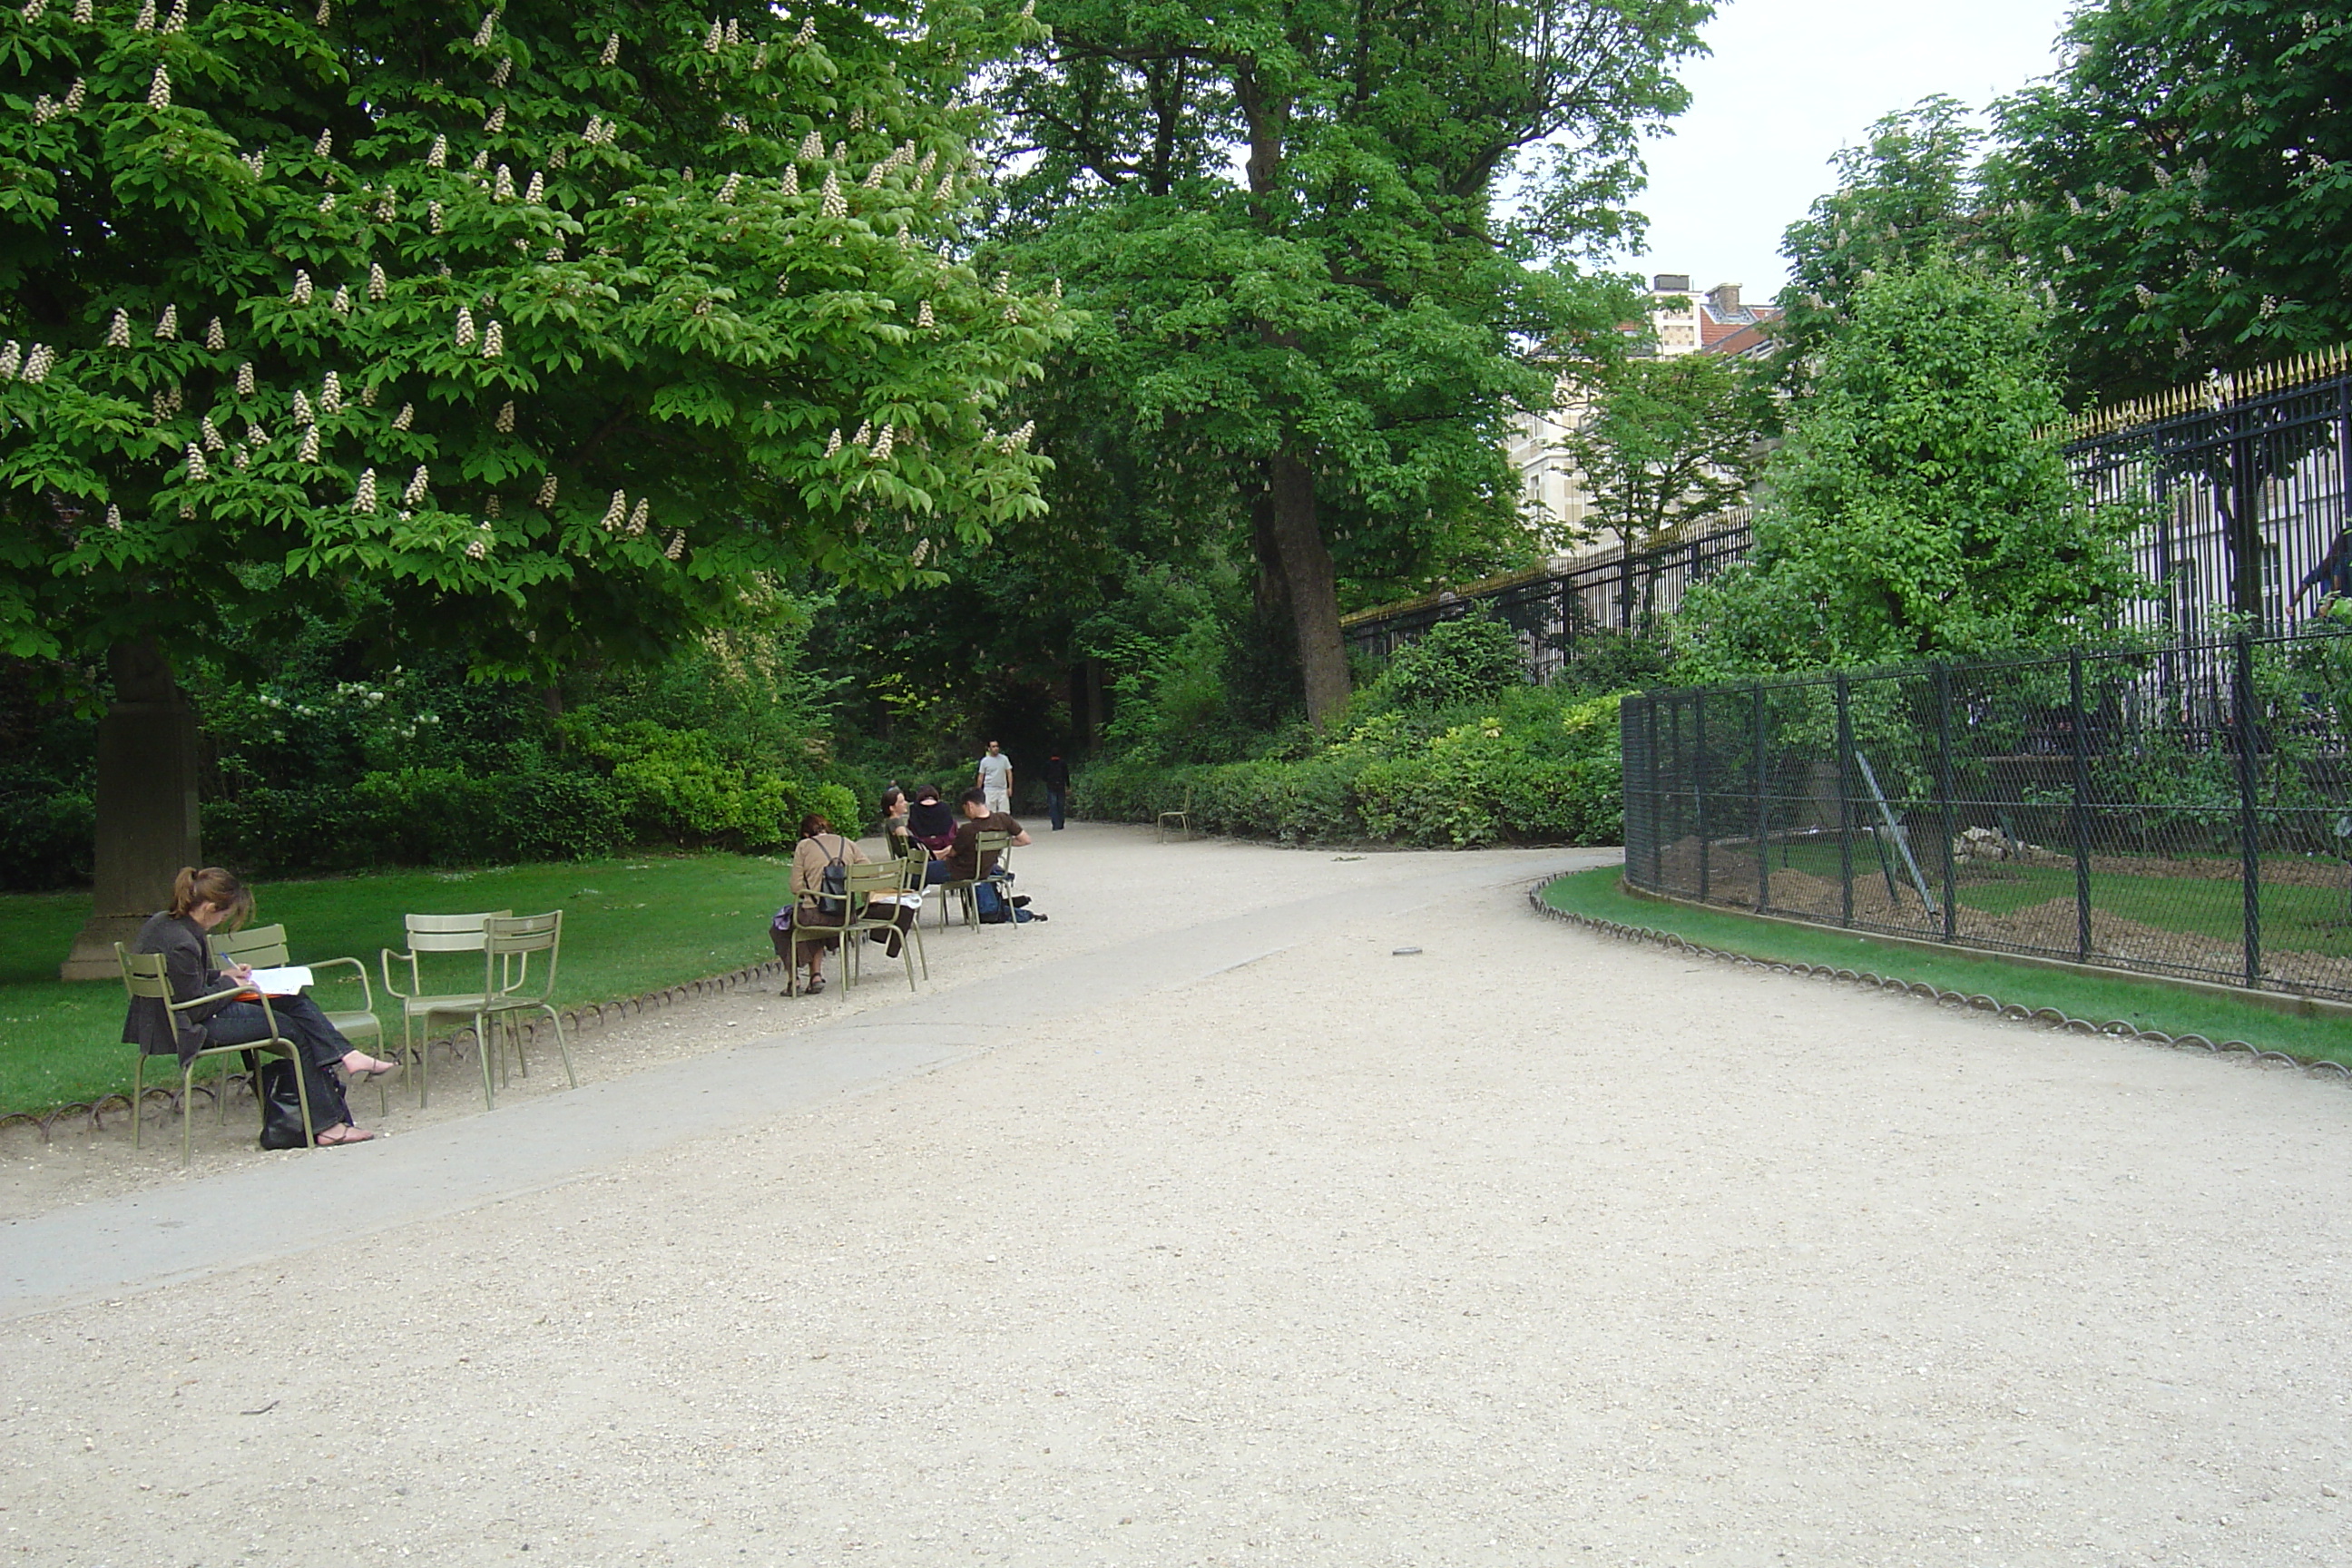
(287,982)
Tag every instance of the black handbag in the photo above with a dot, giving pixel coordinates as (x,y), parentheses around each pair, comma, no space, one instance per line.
(281,1103)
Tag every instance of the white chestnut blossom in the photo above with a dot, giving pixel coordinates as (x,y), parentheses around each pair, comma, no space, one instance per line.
(834,445)
(417,483)
(210,434)
(807,34)
(677,546)
(331,393)
(245,379)
(159,90)
(309,449)
(638,517)
(503,188)
(438,158)
(118,330)
(324,147)
(494,342)
(464,327)
(489,23)
(12,358)
(197,472)
(216,336)
(923,317)
(301,287)
(342,303)
(407,414)
(617,511)
(146,21)
(537,189)
(812,148)
(302,414)
(547,490)
(497,122)
(364,501)
(834,206)
(611,49)
(114,517)
(505,421)
(38,364)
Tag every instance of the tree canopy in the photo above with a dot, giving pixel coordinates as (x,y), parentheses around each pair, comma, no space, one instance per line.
(1281,220)
(1921,505)
(566,328)
(2184,185)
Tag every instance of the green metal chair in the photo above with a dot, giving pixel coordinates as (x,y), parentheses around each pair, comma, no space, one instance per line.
(507,943)
(144,976)
(866,917)
(984,845)
(1182,819)
(265,947)
(419,1006)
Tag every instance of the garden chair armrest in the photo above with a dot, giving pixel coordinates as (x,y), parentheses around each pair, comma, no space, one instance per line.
(367,992)
(230,995)
(409,958)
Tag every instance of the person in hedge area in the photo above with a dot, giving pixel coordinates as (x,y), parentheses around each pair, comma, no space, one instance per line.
(202,902)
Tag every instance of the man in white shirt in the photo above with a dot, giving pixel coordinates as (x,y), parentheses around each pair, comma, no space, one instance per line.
(996,778)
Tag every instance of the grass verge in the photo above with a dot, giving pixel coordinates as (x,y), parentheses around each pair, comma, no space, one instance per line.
(629,926)
(2096,998)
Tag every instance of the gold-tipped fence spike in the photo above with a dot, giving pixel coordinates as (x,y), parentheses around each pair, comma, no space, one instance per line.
(2214,392)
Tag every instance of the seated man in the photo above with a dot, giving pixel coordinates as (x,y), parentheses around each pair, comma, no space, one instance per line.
(964,862)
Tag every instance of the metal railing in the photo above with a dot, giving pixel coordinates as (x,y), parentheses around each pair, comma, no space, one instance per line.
(1558,611)
(2186,812)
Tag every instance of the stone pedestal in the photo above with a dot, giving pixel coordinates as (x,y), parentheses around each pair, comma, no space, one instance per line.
(147,820)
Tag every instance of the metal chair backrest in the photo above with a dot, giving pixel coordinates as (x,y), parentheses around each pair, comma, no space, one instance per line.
(1000,845)
(448,933)
(260,947)
(864,881)
(142,973)
(508,943)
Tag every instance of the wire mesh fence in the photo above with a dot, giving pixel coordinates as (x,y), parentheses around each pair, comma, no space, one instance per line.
(2186,812)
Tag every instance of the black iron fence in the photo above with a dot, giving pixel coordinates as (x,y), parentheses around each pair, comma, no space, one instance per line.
(2185,813)
(1557,611)
(2244,476)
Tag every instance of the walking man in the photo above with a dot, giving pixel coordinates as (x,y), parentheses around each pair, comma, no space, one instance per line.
(1057,787)
(996,778)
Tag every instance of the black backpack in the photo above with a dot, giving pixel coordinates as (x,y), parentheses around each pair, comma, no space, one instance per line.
(833,894)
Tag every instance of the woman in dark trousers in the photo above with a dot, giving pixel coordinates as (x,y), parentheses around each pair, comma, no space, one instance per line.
(203,901)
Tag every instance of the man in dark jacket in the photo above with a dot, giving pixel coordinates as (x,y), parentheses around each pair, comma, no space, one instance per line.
(1058,788)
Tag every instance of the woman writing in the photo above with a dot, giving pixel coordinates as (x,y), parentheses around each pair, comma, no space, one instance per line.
(202,902)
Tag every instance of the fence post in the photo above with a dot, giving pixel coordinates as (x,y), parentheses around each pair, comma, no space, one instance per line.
(2082,810)
(1658,808)
(1763,828)
(1944,791)
(2250,851)
(1845,802)
(1699,778)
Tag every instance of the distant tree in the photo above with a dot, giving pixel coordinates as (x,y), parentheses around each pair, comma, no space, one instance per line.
(2185,184)
(1907,196)
(1281,216)
(1667,441)
(1920,506)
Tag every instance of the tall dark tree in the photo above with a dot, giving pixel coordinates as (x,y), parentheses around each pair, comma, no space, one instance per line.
(1282,219)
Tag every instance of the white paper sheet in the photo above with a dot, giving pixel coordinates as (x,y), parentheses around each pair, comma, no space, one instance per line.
(287,982)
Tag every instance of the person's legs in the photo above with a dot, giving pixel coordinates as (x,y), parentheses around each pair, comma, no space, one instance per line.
(1054,803)
(1001,800)
(321,1045)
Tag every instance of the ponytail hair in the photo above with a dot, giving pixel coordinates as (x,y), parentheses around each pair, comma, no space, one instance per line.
(212,886)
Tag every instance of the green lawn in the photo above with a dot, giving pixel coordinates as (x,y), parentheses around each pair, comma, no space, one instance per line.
(2297,918)
(630,926)
(2096,998)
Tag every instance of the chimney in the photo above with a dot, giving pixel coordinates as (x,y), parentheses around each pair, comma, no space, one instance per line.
(1725,298)
(1670,283)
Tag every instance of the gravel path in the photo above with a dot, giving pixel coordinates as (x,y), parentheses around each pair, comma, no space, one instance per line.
(1531,1247)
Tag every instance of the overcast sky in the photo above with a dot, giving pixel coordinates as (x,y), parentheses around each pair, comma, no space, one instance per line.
(1791,81)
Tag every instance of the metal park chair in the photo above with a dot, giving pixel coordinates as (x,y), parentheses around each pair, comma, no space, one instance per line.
(265,947)
(509,942)
(144,976)
(867,918)
(419,1006)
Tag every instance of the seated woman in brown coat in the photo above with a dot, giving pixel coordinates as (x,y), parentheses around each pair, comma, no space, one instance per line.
(201,901)
(820,847)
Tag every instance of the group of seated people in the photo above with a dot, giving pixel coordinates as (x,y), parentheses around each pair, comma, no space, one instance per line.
(917,823)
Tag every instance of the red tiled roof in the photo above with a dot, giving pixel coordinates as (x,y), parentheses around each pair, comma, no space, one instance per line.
(1745,340)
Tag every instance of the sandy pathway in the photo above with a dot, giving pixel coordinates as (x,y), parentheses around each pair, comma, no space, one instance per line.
(1533,1247)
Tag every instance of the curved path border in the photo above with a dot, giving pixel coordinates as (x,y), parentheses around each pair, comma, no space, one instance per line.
(2046,1017)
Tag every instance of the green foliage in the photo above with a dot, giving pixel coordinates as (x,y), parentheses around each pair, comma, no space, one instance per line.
(2185,184)
(1918,509)
(1908,197)
(1668,441)
(1457,661)
(1530,765)
(556,334)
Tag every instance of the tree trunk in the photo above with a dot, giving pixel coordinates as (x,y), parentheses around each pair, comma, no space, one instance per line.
(1312,587)
(147,823)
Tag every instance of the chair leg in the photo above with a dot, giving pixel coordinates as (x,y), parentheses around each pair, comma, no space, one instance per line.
(187,1129)
(302,1093)
(482,1048)
(561,1049)
(138,1093)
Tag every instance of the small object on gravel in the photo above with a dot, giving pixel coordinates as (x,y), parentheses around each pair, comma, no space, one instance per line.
(1347,856)
(263,1411)
(1402,951)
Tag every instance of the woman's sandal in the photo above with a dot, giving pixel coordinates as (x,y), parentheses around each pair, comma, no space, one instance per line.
(815,984)
(376,1067)
(334,1137)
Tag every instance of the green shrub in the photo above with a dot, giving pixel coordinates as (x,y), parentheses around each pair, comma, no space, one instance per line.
(1456,662)
(1536,767)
